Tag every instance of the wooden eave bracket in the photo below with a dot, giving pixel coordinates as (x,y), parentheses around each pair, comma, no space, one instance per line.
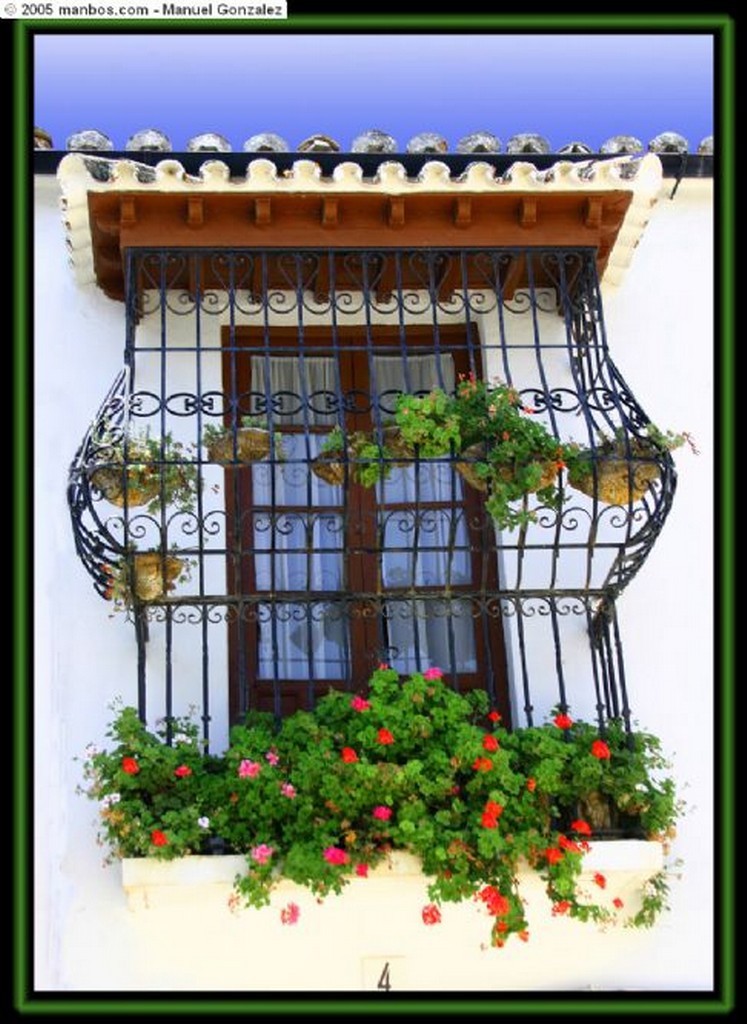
(528,212)
(330,212)
(262,211)
(195,211)
(396,212)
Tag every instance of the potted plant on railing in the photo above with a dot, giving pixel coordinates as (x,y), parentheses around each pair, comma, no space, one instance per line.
(251,441)
(133,467)
(368,460)
(621,467)
(144,576)
(498,448)
(407,765)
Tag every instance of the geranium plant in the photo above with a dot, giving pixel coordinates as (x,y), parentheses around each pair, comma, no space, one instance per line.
(507,453)
(410,765)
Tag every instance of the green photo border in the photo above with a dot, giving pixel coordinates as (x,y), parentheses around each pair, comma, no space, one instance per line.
(28,1001)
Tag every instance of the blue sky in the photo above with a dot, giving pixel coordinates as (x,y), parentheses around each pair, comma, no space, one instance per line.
(566,87)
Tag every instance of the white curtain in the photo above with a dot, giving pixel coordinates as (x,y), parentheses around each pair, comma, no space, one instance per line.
(304,547)
(422,546)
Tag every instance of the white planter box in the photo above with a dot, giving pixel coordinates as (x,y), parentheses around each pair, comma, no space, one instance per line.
(626,864)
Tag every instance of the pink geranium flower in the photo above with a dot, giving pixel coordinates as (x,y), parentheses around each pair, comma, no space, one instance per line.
(334,855)
(182,771)
(272,758)
(382,813)
(262,853)
(249,769)
(433,673)
(289,790)
(359,704)
(290,914)
(361,870)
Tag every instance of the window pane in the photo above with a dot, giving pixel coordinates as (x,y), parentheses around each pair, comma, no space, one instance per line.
(425,547)
(303,641)
(304,550)
(438,633)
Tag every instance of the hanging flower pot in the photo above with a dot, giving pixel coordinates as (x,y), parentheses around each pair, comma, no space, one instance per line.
(249,443)
(476,453)
(155,574)
(621,468)
(400,450)
(144,576)
(329,466)
(137,469)
(617,481)
(136,485)
(467,468)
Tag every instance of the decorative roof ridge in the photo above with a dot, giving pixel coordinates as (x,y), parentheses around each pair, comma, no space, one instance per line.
(102,173)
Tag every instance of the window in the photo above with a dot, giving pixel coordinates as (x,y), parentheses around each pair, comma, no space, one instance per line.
(340,577)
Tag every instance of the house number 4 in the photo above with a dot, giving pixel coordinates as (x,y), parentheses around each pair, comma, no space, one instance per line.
(385,981)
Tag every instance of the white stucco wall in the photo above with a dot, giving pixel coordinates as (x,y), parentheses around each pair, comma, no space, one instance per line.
(659,324)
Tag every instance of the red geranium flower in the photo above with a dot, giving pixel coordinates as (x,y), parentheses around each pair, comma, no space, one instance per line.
(582,827)
(489,743)
(563,721)
(600,749)
(494,716)
(618,903)
(600,880)
(494,901)
(489,820)
(561,907)
(431,914)
(349,756)
(494,809)
(182,771)
(553,854)
(531,785)
(361,870)
(568,844)
(482,764)
(384,736)
(158,838)
(130,765)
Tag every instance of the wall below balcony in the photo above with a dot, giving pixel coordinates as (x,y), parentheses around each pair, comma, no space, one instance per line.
(86,935)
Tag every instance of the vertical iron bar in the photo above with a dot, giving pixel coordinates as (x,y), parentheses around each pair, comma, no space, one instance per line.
(344,510)
(205,666)
(528,706)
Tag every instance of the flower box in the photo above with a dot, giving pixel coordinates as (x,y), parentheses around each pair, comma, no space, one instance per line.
(626,865)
